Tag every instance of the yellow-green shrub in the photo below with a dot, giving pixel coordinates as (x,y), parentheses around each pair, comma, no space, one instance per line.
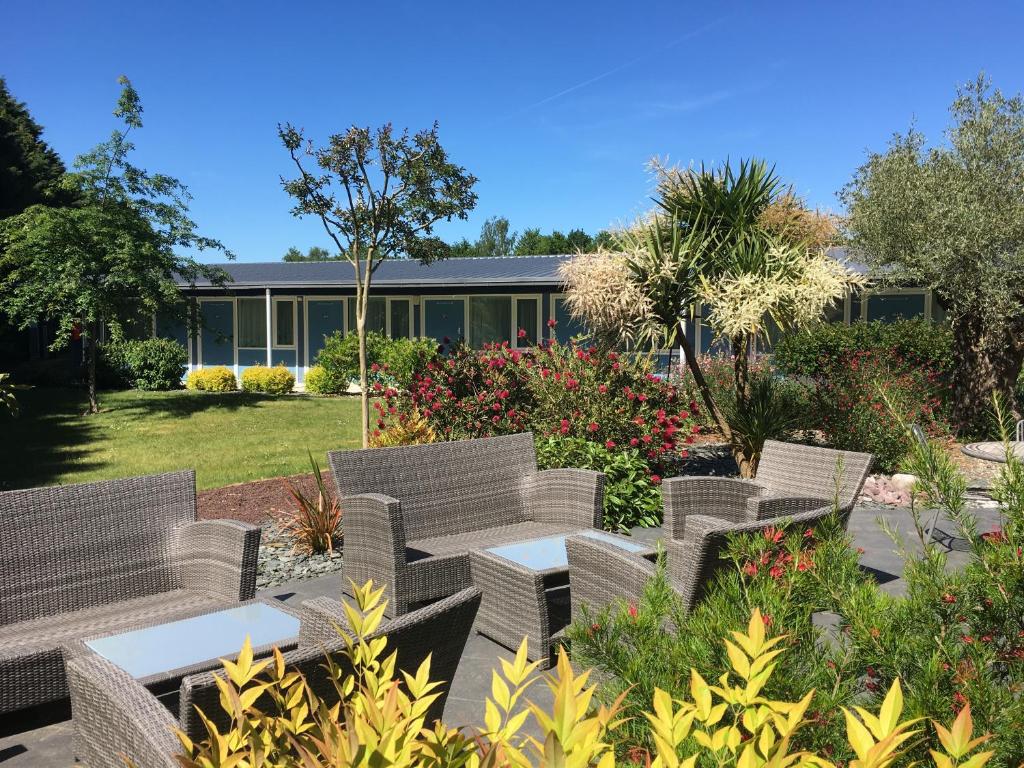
(406,430)
(316,380)
(381,721)
(216,379)
(277,380)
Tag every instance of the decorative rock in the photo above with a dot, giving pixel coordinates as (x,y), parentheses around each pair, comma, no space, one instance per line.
(903,482)
(279,562)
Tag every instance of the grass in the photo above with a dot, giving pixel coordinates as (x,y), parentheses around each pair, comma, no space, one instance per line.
(227,438)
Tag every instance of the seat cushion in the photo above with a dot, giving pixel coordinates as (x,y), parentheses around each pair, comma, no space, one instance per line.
(31,665)
(459,543)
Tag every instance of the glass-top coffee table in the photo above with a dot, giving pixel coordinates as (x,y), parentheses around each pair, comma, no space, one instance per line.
(525,588)
(161,655)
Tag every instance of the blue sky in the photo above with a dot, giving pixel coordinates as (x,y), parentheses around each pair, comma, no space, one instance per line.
(555,106)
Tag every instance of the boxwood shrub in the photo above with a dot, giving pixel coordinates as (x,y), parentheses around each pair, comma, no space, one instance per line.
(148,364)
(276,380)
(216,379)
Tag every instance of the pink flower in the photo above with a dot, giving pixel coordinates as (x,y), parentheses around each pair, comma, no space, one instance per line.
(375,367)
(634,442)
(564,427)
(521,334)
(603,388)
(552,323)
(593,426)
(656,479)
(609,444)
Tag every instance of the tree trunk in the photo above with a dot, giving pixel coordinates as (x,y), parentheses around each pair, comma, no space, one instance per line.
(745,462)
(709,402)
(89,337)
(983,366)
(362,301)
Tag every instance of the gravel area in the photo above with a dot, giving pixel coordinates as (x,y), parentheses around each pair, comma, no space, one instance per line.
(280,562)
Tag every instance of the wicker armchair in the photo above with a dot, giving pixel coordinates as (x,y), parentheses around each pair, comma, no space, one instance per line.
(115,716)
(600,574)
(106,557)
(413,513)
(791,479)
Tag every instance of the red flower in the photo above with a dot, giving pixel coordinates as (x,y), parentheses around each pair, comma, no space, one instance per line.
(521,334)
(375,367)
(552,323)
(609,444)
(593,426)
(775,572)
(603,388)
(656,479)
(750,569)
(948,598)
(767,619)
(564,427)
(773,534)
(634,442)
(632,611)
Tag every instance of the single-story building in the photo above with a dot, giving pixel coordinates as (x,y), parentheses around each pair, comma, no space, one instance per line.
(279,312)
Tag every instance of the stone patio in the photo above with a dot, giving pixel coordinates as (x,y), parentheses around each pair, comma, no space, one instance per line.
(46,742)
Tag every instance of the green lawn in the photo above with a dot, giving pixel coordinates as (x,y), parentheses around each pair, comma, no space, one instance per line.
(226,438)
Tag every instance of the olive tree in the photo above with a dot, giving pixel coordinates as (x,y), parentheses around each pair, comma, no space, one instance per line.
(951,217)
(378,196)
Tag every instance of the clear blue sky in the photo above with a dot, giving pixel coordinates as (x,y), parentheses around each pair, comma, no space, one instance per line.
(555,106)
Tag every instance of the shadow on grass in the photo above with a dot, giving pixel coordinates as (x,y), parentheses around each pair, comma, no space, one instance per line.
(182,403)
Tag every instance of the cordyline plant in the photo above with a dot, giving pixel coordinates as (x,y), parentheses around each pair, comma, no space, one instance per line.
(734,241)
(315,523)
(277,721)
(377,195)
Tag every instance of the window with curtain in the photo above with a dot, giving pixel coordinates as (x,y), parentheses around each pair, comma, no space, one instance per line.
(400,310)
(284,316)
(252,323)
(526,320)
(490,320)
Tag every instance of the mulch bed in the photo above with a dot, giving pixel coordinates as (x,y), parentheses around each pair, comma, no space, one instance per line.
(258,501)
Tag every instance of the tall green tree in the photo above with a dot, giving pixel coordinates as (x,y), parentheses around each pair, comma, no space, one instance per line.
(495,238)
(951,217)
(110,257)
(315,253)
(30,171)
(378,196)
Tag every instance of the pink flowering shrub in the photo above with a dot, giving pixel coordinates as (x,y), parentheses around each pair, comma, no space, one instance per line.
(561,390)
(853,397)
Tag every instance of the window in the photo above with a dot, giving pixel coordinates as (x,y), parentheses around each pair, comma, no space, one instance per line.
(836,311)
(252,323)
(566,327)
(284,323)
(490,320)
(892,307)
(376,314)
(526,320)
(400,313)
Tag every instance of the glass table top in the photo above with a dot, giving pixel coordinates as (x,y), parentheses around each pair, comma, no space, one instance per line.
(177,644)
(544,554)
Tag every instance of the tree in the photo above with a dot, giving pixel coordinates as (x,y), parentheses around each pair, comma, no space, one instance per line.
(495,239)
(579,241)
(531,243)
(951,217)
(315,253)
(108,258)
(30,171)
(378,196)
(713,243)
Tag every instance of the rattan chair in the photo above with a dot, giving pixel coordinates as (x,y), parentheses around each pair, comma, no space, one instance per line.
(414,513)
(600,575)
(105,557)
(791,479)
(116,717)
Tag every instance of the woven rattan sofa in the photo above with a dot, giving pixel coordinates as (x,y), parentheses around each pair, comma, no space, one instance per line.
(114,715)
(796,483)
(104,557)
(413,513)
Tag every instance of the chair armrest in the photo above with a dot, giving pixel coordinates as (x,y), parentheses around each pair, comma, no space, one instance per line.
(769,506)
(601,574)
(116,717)
(219,557)
(374,541)
(321,618)
(566,496)
(722,497)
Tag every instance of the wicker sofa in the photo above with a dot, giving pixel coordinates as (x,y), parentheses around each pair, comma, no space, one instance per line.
(114,715)
(796,483)
(413,513)
(105,557)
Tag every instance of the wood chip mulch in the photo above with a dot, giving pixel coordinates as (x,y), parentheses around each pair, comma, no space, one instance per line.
(255,502)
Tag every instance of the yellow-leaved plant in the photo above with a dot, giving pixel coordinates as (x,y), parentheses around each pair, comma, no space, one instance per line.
(379,720)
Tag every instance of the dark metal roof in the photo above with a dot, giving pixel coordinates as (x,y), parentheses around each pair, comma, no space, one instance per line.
(535,270)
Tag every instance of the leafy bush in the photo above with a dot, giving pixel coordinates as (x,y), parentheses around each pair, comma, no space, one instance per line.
(8,401)
(391,361)
(276,380)
(277,719)
(316,381)
(407,429)
(864,401)
(553,390)
(219,378)
(315,523)
(146,364)
(823,346)
(631,493)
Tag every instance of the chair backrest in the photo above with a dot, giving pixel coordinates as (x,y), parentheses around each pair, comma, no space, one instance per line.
(76,546)
(444,488)
(439,629)
(790,469)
